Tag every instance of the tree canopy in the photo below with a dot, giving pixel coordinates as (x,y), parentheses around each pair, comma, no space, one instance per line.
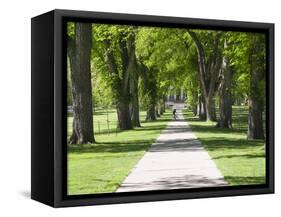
(134,67)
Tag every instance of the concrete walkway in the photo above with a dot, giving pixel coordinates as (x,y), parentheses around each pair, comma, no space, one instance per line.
(176,160)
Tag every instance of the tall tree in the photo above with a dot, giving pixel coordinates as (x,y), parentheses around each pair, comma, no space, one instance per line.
(209,61)
(149,92)
(201,108)
(121,86)
(119,58)
(225,93)
(79,53)
(257,74)
(192,82)
(135,114)
(246,55)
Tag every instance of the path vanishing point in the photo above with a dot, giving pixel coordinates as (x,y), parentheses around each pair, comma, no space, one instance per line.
(176,160)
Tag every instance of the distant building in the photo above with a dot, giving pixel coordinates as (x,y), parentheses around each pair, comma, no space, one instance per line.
(175,96)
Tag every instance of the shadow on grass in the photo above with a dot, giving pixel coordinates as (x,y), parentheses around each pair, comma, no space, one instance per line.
(214,129)
(191,118)
(222,143)
(162,119)
(106,131)
(145,128)
(249,156)
(111,147)
(239,118)
(247,180)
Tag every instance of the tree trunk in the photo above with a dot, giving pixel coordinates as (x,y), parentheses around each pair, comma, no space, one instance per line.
(79,52)
(194,110)
(225,101)
(151,114)
(150,91)
(255,129)
(135,114)
(255,122)
(209,71)
(157,110)
(135,117)
(202,109)
(161,111)
(210,109)
(124,120)
(161,106)
(121,84)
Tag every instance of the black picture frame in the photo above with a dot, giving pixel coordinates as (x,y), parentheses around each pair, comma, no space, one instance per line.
(48,74)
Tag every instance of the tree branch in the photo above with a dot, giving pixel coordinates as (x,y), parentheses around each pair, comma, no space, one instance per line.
(201,60)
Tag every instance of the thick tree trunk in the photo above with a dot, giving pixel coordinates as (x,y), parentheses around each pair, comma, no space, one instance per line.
(157,110)
(150,91)
(135,117)
(124,100)
(161,107)
(255,129)
(164,105)
(202,109)
(150,113)
(121,84)
(123,111)
(194,110)
(135,114)
(161,112)
(255,122)
(79,52)
(225,120)
(193,104)
(210,109)
(225,101)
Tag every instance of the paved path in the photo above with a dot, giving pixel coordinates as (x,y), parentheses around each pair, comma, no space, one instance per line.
(176,160)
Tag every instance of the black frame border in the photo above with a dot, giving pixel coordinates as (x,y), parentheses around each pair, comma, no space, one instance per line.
(61,199)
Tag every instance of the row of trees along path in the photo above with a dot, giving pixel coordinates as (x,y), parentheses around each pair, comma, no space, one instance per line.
(137,66)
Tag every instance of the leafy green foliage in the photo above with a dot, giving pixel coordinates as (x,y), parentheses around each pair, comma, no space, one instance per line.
(171,55)
(238,51)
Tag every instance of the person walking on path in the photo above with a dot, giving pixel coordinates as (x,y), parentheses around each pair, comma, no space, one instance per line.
(174,113)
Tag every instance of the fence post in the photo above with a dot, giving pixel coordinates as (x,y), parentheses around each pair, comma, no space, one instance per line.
(108,127)
(107,120)
(239,121)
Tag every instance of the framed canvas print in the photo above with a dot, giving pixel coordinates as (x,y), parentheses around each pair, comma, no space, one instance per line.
(131,108)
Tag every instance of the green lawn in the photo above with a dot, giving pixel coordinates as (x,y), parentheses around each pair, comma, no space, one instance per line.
(241,161)
(101,167)
(105,121)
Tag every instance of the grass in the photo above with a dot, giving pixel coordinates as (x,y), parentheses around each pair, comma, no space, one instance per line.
(105,121)
(101,167)
(241,161)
